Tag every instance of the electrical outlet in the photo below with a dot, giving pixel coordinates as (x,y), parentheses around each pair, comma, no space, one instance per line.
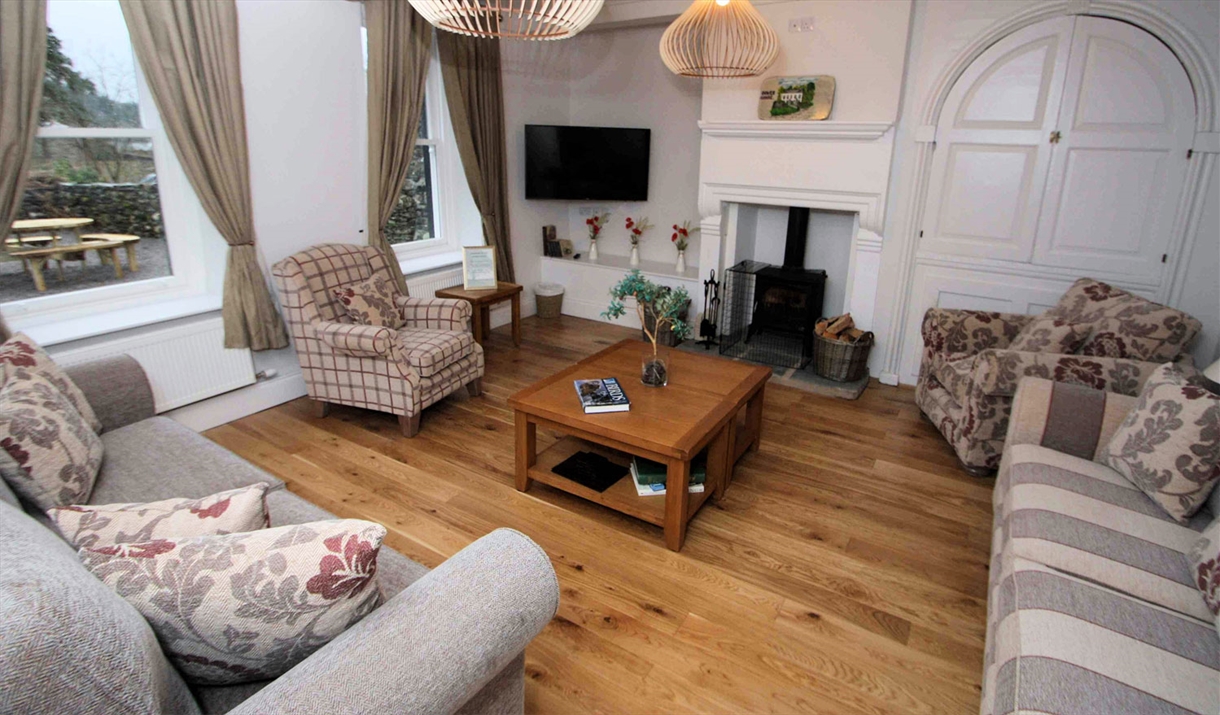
(800,24)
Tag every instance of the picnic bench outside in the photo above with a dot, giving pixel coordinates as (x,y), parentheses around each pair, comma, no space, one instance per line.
(36,242)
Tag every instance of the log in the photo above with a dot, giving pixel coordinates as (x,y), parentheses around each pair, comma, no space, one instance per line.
(819,328)
(853,334)
(841,323)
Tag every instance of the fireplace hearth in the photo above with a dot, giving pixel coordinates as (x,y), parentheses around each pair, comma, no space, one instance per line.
(770,311)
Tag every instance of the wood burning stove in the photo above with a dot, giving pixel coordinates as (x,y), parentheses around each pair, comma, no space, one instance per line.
(783,302)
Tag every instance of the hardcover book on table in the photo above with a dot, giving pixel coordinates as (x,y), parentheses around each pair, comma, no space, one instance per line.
(603,395)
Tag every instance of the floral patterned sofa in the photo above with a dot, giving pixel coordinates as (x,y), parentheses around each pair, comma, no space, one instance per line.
(968,375)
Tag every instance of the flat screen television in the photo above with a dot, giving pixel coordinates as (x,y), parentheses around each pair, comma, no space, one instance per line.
(586,163)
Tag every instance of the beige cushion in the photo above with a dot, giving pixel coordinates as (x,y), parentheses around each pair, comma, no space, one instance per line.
(1169,445)
(20,356)
(1123,324)
(227,512)
(371,302)
(1051,335)
(430,351)
(1205,566)
(55,455)
(243,607)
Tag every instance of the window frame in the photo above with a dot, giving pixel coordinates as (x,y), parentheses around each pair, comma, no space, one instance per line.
(190,288)
(446,170)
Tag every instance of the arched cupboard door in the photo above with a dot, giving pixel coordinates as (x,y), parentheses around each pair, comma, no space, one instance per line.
(1064,144)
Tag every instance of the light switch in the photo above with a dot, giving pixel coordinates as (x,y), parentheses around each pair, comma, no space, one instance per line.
(800,24)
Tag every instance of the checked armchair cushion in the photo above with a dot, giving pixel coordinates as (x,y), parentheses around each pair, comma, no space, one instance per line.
(429,351)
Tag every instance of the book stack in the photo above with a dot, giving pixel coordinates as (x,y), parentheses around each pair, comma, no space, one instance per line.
(649,476)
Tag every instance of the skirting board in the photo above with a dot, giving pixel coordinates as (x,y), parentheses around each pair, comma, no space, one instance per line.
(231,406)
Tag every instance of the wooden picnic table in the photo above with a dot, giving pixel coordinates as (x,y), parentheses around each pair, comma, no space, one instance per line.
(52,226)
(36,258)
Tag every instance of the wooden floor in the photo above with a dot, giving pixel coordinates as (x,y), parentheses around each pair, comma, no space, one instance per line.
(845,570)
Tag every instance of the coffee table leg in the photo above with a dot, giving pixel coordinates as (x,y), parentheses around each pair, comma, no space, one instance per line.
(527,450)
(720,462)
(754,410)
(517,319)
(677,481)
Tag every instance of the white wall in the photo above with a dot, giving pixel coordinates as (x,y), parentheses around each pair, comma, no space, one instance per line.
(618,80)
(535,76)
(940,32)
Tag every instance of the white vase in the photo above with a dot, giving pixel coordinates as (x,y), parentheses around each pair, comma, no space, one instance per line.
(680,266)
(593,251)
(635,256)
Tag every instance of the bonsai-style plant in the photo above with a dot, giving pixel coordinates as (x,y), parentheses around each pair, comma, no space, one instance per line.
(657,307)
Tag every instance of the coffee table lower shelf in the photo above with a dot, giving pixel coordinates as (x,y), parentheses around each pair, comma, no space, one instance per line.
(621,496)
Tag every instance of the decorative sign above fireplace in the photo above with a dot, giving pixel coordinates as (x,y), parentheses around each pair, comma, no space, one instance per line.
(797,98)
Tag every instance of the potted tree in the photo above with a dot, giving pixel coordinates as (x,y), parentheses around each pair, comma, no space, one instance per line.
(657,307)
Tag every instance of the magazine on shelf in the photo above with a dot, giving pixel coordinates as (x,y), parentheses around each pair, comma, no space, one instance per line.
(646,485)
(604,395)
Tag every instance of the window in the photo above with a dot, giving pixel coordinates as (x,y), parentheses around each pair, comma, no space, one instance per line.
(435,215)
(101,165)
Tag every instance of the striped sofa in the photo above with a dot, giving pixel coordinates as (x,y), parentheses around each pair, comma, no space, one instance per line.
(1092,607)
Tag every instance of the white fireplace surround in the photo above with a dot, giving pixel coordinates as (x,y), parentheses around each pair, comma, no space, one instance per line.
(851,157)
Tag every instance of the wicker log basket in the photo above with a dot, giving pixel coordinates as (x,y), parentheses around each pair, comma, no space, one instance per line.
(840,352)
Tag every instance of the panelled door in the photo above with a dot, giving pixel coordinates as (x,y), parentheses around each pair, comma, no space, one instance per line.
(1064,145)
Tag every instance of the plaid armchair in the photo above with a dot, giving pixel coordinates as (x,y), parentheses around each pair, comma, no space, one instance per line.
(968,376)
(397,371)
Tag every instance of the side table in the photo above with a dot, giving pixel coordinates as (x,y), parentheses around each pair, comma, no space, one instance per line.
(482,301)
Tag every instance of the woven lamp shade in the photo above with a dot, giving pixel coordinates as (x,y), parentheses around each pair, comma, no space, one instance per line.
(719,38)
(513,19)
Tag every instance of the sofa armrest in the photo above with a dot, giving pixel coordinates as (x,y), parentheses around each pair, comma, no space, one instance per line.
(997,372)
(436,313)
(117,389)
(969,332)
(433,646)
(1065,417)
(356,340)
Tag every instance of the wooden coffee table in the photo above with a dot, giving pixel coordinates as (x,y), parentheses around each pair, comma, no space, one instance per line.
(710,403)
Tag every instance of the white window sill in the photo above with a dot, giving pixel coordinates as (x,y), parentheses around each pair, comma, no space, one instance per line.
(64,331)
(420,264)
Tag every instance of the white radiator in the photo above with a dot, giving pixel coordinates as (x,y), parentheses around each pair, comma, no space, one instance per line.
(425,285)
(185,363)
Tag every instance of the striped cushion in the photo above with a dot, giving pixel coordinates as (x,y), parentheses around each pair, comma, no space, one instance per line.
(430,351)
(1083,518)
(1065,646)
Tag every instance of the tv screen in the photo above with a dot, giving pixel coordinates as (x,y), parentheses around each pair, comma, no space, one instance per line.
(586,163)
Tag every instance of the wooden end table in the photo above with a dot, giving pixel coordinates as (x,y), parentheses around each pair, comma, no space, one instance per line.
(710,403)
(482,302)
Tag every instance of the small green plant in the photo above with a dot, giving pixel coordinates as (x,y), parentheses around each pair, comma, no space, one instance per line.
(656,305)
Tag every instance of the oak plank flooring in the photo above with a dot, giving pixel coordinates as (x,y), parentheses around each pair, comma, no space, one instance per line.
(845,570)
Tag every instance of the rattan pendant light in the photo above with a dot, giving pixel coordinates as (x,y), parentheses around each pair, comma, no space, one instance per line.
(514,19)
(719,38)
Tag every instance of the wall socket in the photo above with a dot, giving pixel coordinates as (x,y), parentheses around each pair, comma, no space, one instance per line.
(800,24)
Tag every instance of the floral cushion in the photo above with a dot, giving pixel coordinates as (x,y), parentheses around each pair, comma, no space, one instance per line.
(1125,325)
(1205,565)
(20,356)
(55,455)
(371,302)
(1169,445)
(1050,335)
(227,512)
(243,607)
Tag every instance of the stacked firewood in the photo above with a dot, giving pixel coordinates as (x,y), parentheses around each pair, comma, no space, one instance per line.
(841,328)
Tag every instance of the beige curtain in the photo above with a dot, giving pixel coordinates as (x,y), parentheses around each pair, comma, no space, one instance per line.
(400,45)
(188,51)
(471,70)
(23,57)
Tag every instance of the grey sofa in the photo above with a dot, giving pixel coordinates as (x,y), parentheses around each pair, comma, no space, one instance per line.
(1092,605)
(447,640)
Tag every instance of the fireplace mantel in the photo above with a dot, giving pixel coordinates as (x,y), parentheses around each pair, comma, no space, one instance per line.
(813,131)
